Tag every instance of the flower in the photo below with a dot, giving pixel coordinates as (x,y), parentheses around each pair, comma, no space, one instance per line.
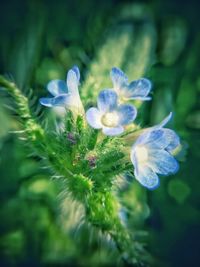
(110,116)
(65,94)
(138,89)
(152,154)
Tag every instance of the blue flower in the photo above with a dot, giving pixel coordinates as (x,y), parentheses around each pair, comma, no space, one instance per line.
(109,116)
(65,94)
(138,89)
(152,154)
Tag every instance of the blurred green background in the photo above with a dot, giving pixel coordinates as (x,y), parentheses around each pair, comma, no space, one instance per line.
(39,41)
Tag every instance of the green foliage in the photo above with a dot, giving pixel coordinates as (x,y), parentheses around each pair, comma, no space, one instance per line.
(62,196)
(179,190)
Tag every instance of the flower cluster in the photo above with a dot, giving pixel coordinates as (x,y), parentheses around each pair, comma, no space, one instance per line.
(65,94)
(152,151)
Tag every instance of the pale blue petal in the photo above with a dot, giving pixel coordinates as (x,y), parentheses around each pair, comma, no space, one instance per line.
(113,131)
(147,177)
(107,100)
(157,139)
(164,122)
(134,160)
(162,162)
(57,87)
(152,139)
(118,77)
(173,139)
(46,101)
(76,70)
(141,138)
(60,100)
(162,138)
(146,98)
(93,117)
(139,89)
(127,114)
(68,100)
(72,81)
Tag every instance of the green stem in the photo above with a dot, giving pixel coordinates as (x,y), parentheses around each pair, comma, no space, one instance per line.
(33,130)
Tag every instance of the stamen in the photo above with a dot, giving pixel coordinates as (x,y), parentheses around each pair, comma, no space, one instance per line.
(110,119)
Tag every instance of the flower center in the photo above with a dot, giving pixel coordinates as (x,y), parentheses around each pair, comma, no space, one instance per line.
(110,119)
(141,154)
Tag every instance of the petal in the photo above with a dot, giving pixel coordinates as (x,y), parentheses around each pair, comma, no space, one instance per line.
(141,138)
(134,159)
(127,114)
(139,89)
(165,121)
(61,100)
(147,177)
(72,82)
(157,139)
(113,131)
(152,139)
(107,100)
(173,139)
(57,87)
(118,77)
(76,70)
(46,101)
(162,162)
(163,138)
(69,101)
(93,117)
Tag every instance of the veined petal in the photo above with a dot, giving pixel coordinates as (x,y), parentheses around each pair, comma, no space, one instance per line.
(76,70)
(119,78)
(157,139)
(107,100)
(152,138)
(72,82)
(147,177)
(173,139)
(139,89)
(60,100)
(162,162)
(113,131)
(93,116)
(46,101)
(160,138)
(57,87)
(127,114)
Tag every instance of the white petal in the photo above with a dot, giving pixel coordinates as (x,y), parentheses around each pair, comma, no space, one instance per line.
(57,87)
(93,117)
(134,159)
(72,82)
(113,131)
